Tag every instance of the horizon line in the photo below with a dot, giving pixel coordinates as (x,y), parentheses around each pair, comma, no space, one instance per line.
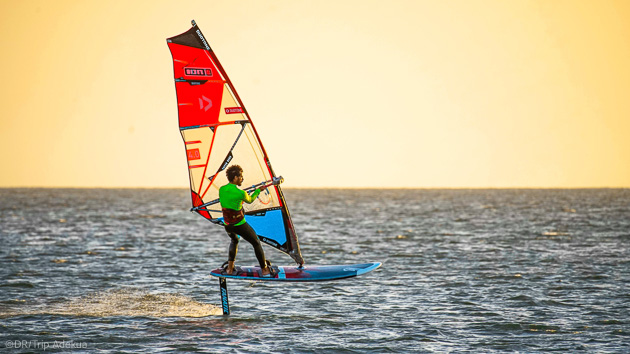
(320,187)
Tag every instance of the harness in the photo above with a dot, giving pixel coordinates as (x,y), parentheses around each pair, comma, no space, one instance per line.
(231,216)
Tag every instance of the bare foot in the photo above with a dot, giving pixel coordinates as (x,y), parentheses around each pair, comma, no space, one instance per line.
(230,268)
(265,271)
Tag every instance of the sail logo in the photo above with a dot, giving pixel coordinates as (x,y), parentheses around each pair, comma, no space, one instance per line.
(224,301)
(198,71)
(193,154)
(203,39)
(269,241)
(205,103)
(232,110)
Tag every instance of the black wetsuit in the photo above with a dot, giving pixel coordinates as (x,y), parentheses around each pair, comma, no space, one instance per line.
(248,233)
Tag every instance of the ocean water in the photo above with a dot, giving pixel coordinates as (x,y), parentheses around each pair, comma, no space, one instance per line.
(126,270)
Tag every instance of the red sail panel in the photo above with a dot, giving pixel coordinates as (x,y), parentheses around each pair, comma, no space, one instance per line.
(199,86)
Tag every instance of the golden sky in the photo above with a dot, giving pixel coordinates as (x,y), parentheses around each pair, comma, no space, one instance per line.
(343,93)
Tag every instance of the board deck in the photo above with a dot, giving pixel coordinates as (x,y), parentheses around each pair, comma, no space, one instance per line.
(300,274)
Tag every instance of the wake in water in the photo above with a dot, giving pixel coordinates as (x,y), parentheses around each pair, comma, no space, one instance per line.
(123,302)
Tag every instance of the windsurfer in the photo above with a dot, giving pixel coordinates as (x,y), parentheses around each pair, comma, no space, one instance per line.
(231,198)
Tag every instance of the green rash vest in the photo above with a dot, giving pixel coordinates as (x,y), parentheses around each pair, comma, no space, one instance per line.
(232,197)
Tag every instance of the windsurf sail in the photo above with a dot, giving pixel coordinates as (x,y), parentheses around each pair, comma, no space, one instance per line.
(218,132)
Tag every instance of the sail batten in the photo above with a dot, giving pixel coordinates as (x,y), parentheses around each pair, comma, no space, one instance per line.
(218,132)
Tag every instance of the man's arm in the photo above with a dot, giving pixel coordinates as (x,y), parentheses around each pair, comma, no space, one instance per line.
(250,198)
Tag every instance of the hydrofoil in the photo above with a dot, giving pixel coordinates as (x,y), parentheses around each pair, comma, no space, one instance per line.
(308,273)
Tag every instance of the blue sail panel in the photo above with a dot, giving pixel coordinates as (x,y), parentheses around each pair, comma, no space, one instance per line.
(270,226)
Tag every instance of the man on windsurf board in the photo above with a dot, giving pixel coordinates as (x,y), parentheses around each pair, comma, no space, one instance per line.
(231,198)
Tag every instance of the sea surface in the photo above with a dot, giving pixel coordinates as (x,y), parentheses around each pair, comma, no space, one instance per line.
(127,270)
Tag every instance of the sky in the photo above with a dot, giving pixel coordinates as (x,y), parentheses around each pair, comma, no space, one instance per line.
(353,94)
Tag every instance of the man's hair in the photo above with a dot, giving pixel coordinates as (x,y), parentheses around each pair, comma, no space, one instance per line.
(233,171)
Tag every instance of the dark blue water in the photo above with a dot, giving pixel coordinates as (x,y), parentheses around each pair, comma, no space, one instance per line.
(463,270)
